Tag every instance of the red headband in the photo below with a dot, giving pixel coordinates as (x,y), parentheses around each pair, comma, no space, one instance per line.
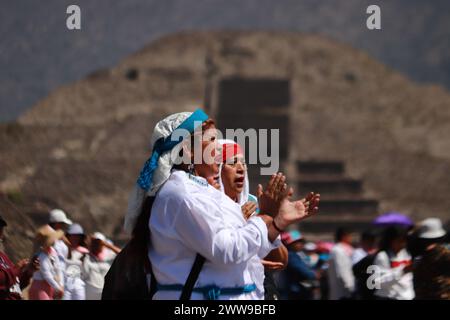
(230,150)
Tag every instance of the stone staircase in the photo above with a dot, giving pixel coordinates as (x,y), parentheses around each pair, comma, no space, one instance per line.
(263,103)
(343,203)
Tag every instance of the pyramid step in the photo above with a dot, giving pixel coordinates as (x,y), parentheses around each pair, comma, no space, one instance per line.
(331,186)
(331,227)
(321,176)
(250,95)
(348,206)
(320,167)
(251,127)
(257,122)
(347,217)
(314,225)
(318,237)
(255,178)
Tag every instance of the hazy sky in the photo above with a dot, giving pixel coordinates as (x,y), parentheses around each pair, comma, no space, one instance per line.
(38,53)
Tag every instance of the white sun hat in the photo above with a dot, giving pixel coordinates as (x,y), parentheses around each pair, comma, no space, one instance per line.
(98,236)
(75,229)
(431,228)
(59,216)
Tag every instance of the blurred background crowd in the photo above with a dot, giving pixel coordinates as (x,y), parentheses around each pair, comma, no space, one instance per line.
(362,118)
(396,259)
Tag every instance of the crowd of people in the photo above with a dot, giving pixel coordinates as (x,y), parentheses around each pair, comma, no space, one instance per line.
(389,262)
(66,263)
(196,232)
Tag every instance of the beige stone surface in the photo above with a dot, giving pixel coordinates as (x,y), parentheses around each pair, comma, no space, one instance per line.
(86,142)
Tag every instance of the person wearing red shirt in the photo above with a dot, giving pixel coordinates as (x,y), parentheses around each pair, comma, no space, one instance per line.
(13,278)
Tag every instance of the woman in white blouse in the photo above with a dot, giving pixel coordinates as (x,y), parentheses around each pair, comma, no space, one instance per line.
(393,273)
(190,217)
(48,280)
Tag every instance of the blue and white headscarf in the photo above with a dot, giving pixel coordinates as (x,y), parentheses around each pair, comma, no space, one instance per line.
(165,153)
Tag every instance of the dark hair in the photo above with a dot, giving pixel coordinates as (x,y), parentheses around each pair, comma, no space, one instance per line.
(140,239)
(82,243)
(127,276)
(368,236)
(390,234)
(208,124)
(340,233)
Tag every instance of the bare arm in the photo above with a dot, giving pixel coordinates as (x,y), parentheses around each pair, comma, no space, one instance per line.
(279,256)
(112,247)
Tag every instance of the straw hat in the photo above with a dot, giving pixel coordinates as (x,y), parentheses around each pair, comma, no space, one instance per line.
(46,236)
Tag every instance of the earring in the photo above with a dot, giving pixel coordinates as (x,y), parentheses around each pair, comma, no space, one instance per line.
(191,168)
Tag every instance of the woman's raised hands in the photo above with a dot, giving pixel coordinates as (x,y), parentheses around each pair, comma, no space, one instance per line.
(270,198)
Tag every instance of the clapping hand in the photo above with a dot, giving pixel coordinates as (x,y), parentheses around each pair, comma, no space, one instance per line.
(275,200)
(248,209)
(272,265)
(311,203)
(270,198)
(295,211)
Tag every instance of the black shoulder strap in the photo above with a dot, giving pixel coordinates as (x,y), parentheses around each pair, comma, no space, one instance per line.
(193,275)
(192,278)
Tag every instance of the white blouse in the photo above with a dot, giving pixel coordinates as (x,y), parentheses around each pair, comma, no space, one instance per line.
(50,270)
(189,217)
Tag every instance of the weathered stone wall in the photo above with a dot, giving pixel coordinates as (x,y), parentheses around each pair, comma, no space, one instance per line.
(82,147)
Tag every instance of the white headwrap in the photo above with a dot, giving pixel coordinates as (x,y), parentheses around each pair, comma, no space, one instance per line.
(243,197)
(165,163)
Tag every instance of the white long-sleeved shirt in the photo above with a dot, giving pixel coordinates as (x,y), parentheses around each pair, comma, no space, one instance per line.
(340,274)
(73,269)
(50,270)
(61,249)
(93,271)
(393,282)
(190,217)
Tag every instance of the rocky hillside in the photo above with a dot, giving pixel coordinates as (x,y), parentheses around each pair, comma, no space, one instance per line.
(82,147)
(413,39)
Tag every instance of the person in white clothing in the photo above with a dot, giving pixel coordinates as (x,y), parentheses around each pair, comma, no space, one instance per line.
(233,181)
(340,274)
(59,221)
(96,265)
(431,267)
(48,280)
(190,217)
(393,277)
(74,284)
